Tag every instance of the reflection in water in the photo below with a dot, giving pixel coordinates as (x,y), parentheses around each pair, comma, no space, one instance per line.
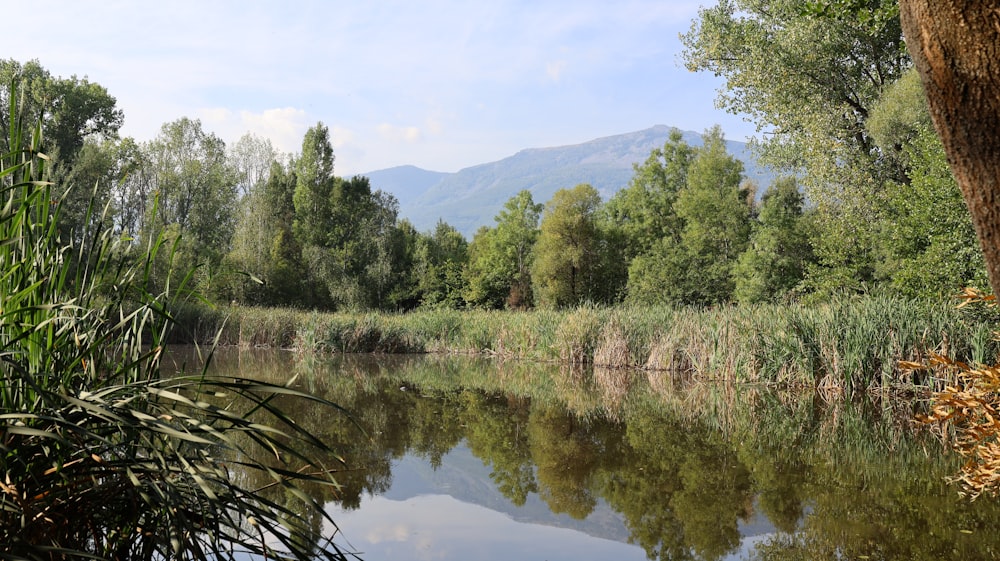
(458,461)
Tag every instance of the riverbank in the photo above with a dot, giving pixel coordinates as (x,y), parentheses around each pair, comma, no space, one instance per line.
(849,344)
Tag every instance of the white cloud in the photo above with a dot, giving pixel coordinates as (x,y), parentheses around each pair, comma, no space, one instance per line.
(555,69)
(394,133)
(284,126)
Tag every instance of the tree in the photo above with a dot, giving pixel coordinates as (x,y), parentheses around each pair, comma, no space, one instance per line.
(779,250)
(809,77)
(195,194)
(500,258)
(440,259)
(264,245)
(954,47)
(314,187)
(928,242)
(696,268)
(644,210)
(70,109)
(565,271)
(80,122)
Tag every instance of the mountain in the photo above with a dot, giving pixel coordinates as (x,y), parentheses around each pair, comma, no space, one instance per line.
(471,197)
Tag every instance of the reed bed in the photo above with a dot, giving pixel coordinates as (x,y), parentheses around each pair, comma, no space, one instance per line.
(846,345)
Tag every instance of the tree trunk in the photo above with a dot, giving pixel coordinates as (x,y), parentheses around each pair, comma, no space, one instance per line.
(955,45)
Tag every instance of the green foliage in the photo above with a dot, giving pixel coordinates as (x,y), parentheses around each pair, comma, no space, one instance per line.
(500,258)
(195,198)
(567,263)
(70,110)
(775,261)
(440,261)
(696,266)
(810,81)
(313,187)
(644,210)
(104,457)
(264,245)
(929,244)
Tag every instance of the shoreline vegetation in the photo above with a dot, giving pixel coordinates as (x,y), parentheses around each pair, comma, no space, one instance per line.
(849,345)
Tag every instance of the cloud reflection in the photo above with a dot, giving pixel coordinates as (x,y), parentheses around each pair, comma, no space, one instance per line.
(440,527)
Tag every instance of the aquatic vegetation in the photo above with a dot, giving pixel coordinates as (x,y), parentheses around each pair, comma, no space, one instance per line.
(848,345)
(104,456)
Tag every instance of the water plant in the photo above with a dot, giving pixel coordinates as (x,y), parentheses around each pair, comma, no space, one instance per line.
(104,456)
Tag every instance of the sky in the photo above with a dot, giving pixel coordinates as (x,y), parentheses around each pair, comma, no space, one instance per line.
(441,85)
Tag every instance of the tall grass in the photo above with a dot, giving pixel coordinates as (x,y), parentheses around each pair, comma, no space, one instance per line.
(848,345)
(103,457)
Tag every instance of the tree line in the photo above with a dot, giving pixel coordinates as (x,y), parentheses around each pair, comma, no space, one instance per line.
(866,200)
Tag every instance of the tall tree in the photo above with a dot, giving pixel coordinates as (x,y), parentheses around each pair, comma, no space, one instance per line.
(314,181)
(80,121)
(251,158)
(70,109)
(928,242)
(697,267)
(500,258)
(809,78)
(779,250)
(644,210)
(314,187)
(196,194)
(439,263)
(264,245)
(956,48)
(567,261)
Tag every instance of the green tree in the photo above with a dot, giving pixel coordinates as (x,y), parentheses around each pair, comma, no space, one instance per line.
(809,78)
(953,46)
(697,268)
(69,109)
(567,262)
(441,257)
(264,245)
(500,258)
(644,210)
(779,249)
(929,243)
(80,123)
(314,182)
(195,195)
(314,187)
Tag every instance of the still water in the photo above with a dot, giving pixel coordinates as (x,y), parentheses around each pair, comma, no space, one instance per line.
(458,458)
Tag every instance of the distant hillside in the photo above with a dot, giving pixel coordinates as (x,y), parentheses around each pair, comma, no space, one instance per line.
(407,183)
(471,197)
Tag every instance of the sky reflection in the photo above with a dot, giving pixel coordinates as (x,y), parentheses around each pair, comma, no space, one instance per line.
(420,518)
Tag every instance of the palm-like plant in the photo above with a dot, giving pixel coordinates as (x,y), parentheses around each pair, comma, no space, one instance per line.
(103,457)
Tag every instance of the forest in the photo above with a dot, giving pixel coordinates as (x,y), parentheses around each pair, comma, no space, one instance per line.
(865,201)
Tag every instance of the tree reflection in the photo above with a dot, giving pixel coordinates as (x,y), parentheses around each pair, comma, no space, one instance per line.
(564,455)
(822,474)
(496,430)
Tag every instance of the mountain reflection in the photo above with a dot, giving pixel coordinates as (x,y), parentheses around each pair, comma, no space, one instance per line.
(696,473)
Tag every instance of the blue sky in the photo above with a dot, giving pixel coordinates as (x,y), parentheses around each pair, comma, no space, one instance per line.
(437,84)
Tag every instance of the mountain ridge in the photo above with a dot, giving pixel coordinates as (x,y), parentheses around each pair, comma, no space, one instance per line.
(472,196)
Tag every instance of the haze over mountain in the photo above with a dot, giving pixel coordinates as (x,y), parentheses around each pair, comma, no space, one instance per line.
(471,197)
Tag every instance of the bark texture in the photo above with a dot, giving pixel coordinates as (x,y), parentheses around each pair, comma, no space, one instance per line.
(955,45)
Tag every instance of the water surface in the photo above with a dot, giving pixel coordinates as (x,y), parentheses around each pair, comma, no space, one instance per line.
(473,459)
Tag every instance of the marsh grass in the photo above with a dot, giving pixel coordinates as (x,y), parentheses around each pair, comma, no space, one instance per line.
(845,346)
(103,456)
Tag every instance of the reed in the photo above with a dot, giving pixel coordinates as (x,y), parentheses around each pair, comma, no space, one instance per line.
(846,345)
(104,457)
